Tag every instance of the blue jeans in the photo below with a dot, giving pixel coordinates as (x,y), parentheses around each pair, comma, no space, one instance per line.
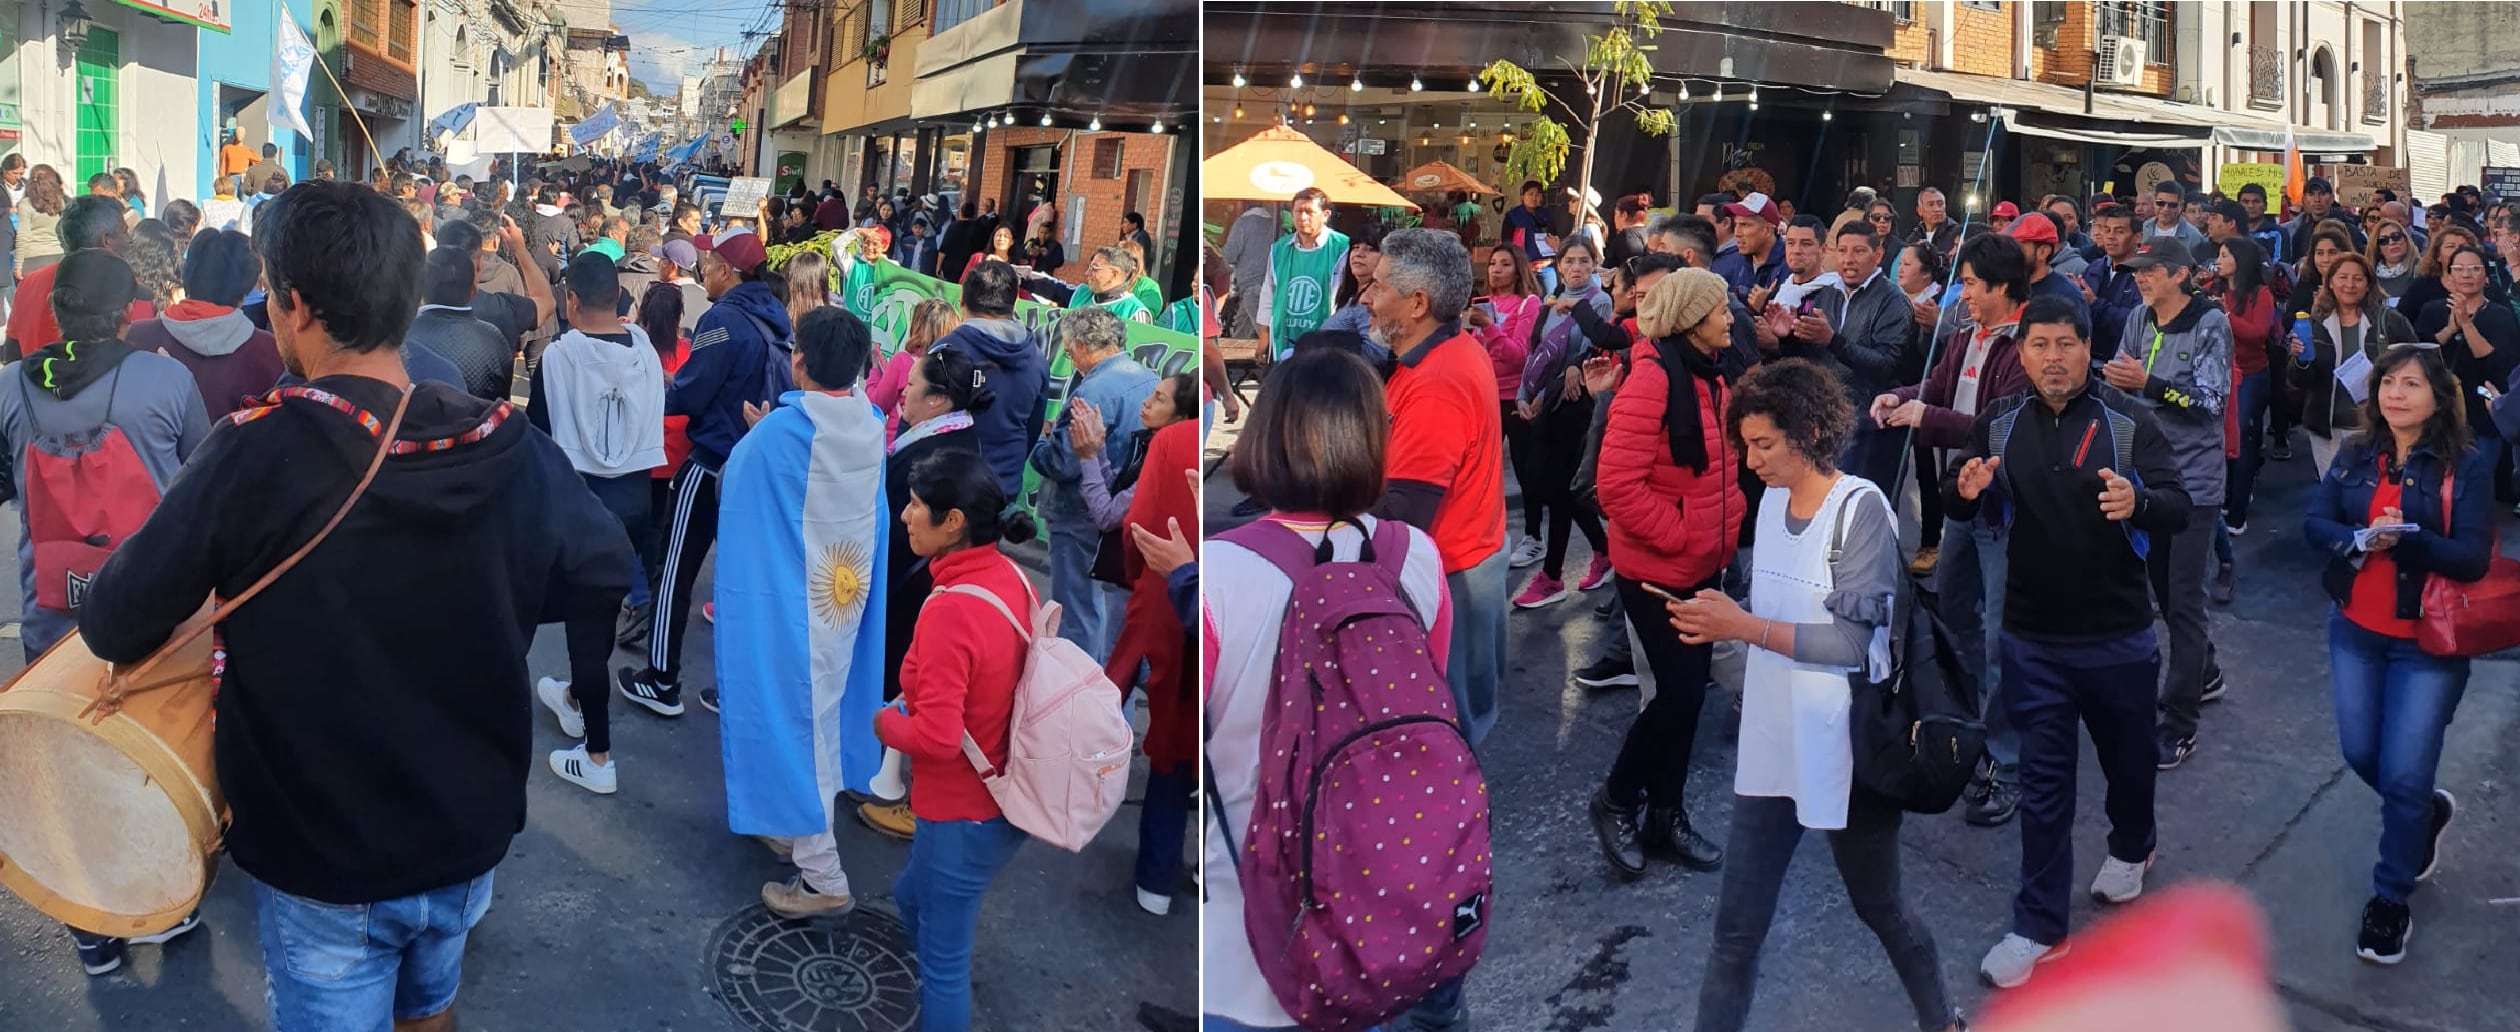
(2107,688)
(1970,585)
(1088,609)
(360,968)
(2393,706)
(2253,398)
(951,864)
(1163,825)
(1478,643)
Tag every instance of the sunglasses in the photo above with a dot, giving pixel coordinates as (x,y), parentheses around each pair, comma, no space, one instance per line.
(2392,239)
(2167,205)
(1877,218)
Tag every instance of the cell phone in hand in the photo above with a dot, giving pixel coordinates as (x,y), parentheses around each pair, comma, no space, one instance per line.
(1658,590)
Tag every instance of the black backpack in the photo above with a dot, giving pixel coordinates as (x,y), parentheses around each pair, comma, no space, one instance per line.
(1916,733)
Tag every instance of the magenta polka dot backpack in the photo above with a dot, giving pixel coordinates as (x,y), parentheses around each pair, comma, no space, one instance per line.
(1365,866)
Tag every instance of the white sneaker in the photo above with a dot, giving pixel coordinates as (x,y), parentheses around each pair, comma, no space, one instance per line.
(573,767)
(555,697)
(1526,554)
(1154,903)
(2010,962)
(2119,881)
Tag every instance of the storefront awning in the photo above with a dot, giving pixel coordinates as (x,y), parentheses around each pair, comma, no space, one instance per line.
(2013,122)
(2309,142)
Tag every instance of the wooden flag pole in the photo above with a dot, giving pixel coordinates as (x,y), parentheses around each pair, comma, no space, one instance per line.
(344,93)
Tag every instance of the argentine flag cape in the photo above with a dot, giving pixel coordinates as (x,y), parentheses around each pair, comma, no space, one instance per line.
(802,534)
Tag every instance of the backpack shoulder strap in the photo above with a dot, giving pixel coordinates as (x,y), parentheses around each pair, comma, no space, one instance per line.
(990,597)
(1837,530)
(1276,542)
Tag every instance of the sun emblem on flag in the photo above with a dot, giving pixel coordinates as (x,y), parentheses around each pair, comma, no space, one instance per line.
(840,579)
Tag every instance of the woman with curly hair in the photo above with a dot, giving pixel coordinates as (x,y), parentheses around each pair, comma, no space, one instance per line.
(1823,578)
(39,219)
(158,259)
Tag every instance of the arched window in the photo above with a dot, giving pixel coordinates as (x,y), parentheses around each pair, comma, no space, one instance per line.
(2326,106)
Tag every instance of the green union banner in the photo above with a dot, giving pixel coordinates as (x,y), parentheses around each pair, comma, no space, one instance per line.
(884,294)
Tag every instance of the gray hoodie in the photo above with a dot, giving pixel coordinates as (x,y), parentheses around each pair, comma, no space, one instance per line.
(2190,366)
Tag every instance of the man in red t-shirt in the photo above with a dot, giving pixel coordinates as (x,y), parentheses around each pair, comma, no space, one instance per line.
(1444,466)
(90,222)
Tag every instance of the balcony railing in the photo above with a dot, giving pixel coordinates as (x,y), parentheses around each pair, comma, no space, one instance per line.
(2266,76)
(2376,102)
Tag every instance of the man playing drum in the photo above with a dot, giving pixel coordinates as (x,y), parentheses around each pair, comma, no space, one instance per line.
(375,774)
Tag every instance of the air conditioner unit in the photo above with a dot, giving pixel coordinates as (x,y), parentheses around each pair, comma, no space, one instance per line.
(2121,60)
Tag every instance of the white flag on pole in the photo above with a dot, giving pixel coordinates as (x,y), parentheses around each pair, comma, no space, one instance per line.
(291,59)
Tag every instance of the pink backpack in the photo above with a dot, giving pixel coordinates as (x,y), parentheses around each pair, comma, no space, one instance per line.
(1365,866)
(1068,740)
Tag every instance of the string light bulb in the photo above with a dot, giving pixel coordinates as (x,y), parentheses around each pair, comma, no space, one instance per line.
(1826,116)
(1684,91)
(1238,111)
(1239,81)
(1416,86)
(1343,118)
(1094,126)
(1309,111)
(1158,130)
(1045,119)
(1297,82)
(1356,85)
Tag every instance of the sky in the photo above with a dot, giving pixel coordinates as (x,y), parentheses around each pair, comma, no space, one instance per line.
(673,38)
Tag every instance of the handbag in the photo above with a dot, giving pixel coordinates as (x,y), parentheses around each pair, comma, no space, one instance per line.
(2470,618)
(1916,733)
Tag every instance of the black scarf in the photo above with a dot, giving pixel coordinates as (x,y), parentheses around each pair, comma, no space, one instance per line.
(1681,361)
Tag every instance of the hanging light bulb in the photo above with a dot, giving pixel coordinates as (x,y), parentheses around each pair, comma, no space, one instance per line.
(1239,81)
(1827,116)
(1045,118)
(1158,130)
(1684,91)
(1465,140)
(1415,86)
(1309,110)
(1094,126)
(1422,141)
(1719,93)
(1754,93)
(1343,118)
(1238,111)
(1297,82)
(1356,85)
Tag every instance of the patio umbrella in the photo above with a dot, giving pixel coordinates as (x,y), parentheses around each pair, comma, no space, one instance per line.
(1277,162)
(1442,177)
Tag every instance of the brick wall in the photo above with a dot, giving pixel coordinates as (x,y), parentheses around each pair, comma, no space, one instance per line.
(1911,43)
(2068,63)
(1982,41)
(1104,198)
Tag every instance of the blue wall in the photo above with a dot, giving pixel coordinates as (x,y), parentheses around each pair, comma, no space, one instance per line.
(241,57)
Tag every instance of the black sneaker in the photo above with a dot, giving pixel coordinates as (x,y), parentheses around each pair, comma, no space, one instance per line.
(708,699)
(2445,806)
(2281,450)
(1607,673)
(1995,805)
(98,954)
(1615,827)
(2223,586)
(2214,689)
(2385,927)
(1668,834)
(190,922)
(2175,751)
(658,696)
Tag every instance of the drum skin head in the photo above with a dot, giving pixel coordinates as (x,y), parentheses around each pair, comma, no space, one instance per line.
(87,835)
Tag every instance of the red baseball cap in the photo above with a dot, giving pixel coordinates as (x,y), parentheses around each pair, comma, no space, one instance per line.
(2006,210)
(2038,230)
(1757,206)
(739,249)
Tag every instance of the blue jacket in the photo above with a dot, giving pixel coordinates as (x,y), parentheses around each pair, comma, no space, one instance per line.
(1115,387)
(2342,504)
(1010,356)
(2114,298)
(732,362)
(1735,268)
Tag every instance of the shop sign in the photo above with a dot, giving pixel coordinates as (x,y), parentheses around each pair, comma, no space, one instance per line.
(209,14)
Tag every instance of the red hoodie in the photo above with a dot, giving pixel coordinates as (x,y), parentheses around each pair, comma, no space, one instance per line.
(959,677)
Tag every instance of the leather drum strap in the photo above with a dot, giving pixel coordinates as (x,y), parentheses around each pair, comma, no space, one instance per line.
(124,682)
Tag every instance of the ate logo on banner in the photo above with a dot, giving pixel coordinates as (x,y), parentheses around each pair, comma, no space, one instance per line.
(1303,296)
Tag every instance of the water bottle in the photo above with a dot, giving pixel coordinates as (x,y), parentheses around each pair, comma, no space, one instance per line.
(2301,336)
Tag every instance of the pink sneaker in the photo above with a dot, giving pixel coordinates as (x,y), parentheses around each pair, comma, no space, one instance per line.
(1597,575)
(1543,590)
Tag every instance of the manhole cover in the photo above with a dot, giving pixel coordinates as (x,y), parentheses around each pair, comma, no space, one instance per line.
(855,973)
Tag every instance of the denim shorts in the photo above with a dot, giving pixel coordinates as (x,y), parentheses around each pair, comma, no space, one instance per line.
(359,968)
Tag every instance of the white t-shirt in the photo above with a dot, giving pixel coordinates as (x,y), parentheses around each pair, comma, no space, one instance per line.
(1241,637)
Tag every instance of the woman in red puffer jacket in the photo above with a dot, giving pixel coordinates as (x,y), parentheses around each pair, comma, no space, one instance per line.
(1670,488)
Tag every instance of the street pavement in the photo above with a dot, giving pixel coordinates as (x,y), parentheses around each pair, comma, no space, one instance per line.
(2266,803)
(606,907)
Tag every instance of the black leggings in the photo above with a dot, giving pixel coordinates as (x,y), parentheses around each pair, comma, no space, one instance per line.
(1522,445)
(1928,495)
(1562,434)
(1653,762)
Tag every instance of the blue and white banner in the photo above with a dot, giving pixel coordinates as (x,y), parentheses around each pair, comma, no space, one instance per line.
(455,120)
(595,128)
(801,594)
(292,58)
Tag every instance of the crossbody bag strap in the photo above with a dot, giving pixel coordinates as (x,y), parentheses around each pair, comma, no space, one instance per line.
(123,682)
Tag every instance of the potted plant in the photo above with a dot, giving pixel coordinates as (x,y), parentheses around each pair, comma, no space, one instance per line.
(878,49)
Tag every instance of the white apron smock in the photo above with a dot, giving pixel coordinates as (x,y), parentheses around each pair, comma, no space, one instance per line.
(1794,715)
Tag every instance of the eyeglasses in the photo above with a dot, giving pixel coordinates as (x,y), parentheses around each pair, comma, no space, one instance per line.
(2392,238)
(2170,205)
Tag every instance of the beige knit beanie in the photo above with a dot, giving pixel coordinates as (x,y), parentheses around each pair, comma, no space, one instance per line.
(1679,301)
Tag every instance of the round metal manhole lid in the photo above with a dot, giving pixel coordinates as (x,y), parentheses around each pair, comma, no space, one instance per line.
(853,973)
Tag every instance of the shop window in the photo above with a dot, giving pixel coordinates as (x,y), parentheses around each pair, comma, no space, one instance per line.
(1107,153)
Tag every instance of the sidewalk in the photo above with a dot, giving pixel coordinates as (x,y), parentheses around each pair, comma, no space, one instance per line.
(609,913)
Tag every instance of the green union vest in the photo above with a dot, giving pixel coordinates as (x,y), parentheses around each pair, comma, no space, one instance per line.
(1126,306)
(1302,301)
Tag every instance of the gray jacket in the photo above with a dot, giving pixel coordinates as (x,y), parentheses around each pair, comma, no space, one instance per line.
(1874,326)
(2190,369)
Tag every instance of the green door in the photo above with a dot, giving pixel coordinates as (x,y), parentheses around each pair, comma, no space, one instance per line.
(99,129)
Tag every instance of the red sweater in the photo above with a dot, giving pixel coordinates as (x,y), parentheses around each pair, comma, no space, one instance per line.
(1668,524)
(959,676)
(2249,332)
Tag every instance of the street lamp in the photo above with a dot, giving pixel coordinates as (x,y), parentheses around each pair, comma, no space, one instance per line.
(72,23)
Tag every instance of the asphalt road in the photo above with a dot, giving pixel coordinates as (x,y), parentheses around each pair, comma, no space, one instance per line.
(605,907)
(2265,803)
